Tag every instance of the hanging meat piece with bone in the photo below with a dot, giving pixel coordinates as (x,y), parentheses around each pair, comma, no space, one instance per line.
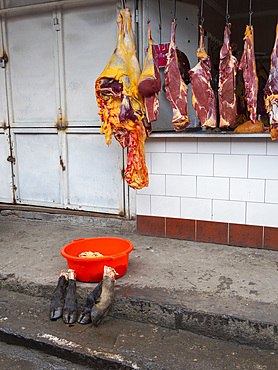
(202,94)
(122,110)
(271,91)
(176,89)
(248,66)
(149,83)
(227,82)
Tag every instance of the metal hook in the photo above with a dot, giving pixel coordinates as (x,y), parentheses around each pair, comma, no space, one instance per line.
(227,13)
(201,13)
(123,4)
(250,13)
(173,9)
(159,26)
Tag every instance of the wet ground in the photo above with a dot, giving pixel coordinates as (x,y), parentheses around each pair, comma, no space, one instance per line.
(115,344)
(21,358)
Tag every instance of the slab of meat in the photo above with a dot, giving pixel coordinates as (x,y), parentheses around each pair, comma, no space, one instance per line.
(176,89)
(227,82)
(248,66)
(149,83)
(271,91)
(122,110)
(203,99)
(184,66)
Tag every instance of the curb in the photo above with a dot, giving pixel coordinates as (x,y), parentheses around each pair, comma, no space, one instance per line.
(96,361)
(229,328)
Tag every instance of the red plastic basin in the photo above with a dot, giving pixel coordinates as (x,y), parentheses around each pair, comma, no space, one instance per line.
(115,254)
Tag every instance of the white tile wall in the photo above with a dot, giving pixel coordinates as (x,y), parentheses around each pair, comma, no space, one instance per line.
(143,204)
(183,186)
(213,187)
(196,209)
(165,206)
(181,146)
(263,167)
(155,145)
(247,190)
(250,146)
(166,163)
(263,214)
(225,180)
(214,145)
(271,191)
(197,164)
(272,147)
(156,185)
(230,165)
(229,211)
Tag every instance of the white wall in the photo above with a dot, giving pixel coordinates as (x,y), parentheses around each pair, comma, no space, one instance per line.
(223,179)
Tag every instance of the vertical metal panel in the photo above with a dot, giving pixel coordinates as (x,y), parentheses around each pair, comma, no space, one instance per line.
(90,34)
(38,168)
(55,67)
(6,194)
(94,172)
(32,68)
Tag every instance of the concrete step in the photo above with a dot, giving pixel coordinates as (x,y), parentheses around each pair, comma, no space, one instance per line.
(118,343)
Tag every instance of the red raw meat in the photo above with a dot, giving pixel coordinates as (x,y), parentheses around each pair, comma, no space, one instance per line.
(176,89)
(271,91)
(248,66)
(227,82)
(149,83)
(203,99)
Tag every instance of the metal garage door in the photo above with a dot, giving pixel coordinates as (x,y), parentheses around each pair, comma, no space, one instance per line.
(50,117)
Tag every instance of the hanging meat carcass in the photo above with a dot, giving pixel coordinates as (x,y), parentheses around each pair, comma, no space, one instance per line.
(202,94)
(122,110)
(271,91)
(149,83)
(248,66)
(227,82)
(176,89)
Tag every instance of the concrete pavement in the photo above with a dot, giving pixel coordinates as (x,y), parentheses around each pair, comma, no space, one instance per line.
(215,290)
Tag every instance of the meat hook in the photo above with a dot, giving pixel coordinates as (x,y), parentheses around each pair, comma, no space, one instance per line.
(201,15)
(250,13)
(227,13)
(174,9)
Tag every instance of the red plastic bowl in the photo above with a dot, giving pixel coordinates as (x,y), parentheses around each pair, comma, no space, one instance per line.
(115,254)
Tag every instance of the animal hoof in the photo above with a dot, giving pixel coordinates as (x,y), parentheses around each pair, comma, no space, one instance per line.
(84,318)
(69,317)
(56,313)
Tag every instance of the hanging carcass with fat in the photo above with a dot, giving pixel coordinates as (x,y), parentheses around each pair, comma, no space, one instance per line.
(271,91)
(176,89)
(203,99)
(248,66)
(149,83)
(227,82)
(122,110)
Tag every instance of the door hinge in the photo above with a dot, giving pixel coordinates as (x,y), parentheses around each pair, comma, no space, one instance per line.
(4,60)
(57,26)
(11,159)
(136,15)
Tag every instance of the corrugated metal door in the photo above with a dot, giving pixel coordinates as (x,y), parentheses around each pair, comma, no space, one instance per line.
(61,160)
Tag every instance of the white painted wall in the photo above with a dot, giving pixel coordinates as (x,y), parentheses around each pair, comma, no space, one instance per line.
(223,179)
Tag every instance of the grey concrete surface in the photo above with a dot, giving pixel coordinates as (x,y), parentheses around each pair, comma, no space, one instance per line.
(115,344)
(217,290)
